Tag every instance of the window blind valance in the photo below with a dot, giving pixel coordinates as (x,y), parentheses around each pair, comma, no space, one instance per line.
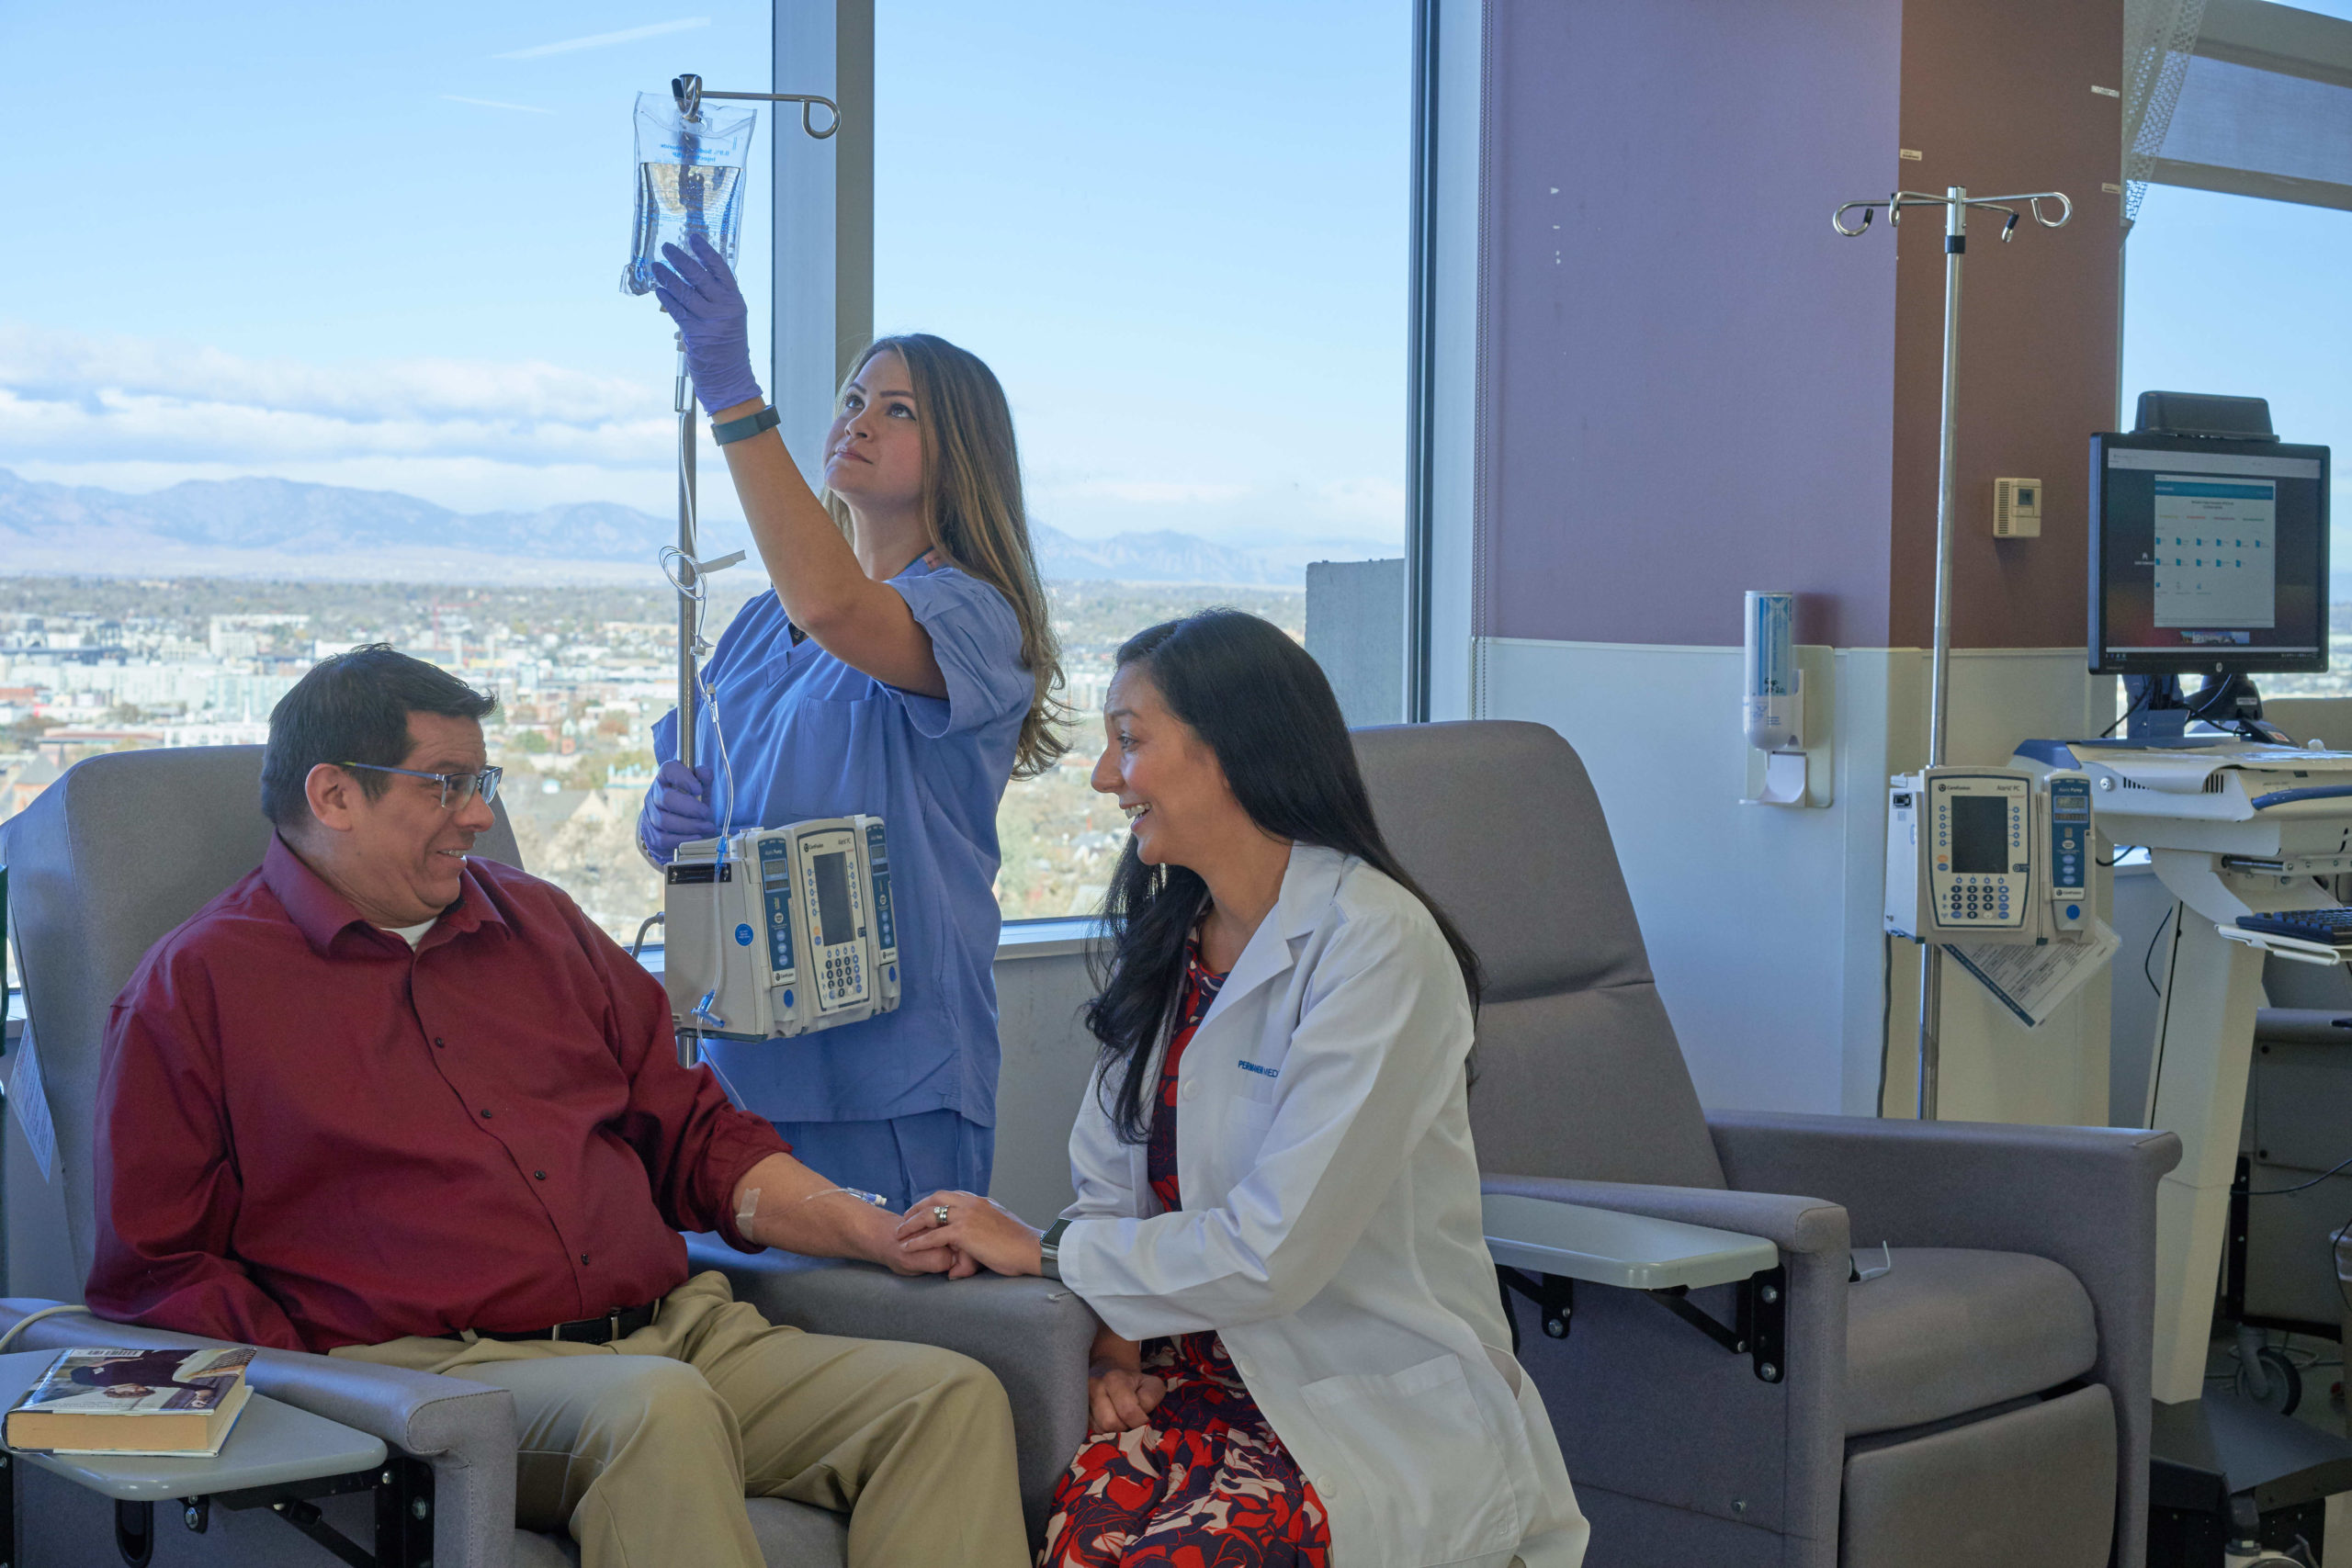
(2264,108)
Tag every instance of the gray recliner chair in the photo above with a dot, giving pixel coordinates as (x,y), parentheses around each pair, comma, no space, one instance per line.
(123,848)
(1985,1402)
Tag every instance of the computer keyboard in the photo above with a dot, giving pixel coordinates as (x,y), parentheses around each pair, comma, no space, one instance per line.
(2333,926)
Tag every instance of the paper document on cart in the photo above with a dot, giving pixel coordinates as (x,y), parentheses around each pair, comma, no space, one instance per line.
(2033,982)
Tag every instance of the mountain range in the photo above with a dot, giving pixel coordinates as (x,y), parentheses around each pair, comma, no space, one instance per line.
(250,527)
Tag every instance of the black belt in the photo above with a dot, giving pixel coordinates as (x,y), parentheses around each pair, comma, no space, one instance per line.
(617,1324)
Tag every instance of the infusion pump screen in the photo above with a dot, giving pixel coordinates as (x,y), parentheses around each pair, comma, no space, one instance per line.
(1980,833)
(833,900)
(2217,555)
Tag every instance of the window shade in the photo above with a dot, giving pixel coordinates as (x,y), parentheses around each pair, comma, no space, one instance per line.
(2264,108)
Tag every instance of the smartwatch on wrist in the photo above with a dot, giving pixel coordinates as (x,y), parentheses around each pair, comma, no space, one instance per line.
(1049,1250)
(743,429)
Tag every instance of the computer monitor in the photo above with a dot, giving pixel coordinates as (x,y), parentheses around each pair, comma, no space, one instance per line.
(2206,556)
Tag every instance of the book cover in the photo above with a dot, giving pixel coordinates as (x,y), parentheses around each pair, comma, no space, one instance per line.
(149,1402)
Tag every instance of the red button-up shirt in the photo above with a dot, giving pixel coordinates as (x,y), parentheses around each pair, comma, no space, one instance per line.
(308,1135)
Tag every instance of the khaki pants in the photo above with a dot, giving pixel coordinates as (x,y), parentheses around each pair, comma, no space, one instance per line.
(645,1449)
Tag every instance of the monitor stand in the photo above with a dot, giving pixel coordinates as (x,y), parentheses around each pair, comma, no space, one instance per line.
(2160,711)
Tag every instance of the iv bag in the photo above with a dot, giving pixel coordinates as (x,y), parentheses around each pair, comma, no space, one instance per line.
(689,180)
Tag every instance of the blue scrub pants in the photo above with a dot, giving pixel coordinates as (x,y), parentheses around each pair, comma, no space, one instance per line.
(905,1158)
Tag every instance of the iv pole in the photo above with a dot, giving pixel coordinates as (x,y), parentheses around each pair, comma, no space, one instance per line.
(1955,201)
(687,91)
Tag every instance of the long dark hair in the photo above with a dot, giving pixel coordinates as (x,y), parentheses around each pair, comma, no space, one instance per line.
(973,510)
(1260,703)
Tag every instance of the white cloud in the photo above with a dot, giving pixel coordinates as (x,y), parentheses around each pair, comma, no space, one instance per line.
(1378,503)
(1151,492)
(1343,513)
(494,104)
(135,414)
(598,40)
(44,363)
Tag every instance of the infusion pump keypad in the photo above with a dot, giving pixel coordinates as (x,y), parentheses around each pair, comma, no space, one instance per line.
(1979,860)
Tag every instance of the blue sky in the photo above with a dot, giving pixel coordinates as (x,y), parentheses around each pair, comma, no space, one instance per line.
(381,245)
(2224,294)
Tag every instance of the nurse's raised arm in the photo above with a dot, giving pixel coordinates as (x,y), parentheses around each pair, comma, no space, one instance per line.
(834,586)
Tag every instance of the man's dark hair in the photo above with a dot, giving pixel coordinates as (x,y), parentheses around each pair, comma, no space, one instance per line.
(353,708)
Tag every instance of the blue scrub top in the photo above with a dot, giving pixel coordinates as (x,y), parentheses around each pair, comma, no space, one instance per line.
(808,736)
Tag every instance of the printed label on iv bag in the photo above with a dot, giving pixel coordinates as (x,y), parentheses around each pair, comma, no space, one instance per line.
(689,180)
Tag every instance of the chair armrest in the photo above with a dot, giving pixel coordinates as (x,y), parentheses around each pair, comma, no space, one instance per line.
(1980,1184)
(1801,1226)
(465,1430)
(1034,1334)
(1609,1246)
(2085,1197)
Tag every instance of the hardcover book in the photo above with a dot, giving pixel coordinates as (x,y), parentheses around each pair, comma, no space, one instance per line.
(133,1401)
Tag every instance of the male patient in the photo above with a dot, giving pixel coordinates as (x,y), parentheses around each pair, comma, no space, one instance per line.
(386,1101)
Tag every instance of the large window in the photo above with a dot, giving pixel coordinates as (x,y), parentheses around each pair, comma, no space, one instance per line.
(326,345)
(2233,293)
(1178,234)
(331,350)
(2238,294)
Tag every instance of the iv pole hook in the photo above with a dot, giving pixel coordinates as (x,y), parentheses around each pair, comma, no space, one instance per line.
(689,93)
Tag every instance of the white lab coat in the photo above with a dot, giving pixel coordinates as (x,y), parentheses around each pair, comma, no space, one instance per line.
(1330,1233)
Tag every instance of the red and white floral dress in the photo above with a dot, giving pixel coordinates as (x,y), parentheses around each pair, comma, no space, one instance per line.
(1206,1483)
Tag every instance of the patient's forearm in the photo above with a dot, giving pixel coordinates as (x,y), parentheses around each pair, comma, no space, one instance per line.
(797,1209)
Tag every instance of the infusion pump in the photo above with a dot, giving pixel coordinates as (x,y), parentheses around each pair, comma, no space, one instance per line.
(776,931)
(1988,856)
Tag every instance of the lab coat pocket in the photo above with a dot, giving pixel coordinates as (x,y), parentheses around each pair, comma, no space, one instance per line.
(1426,1469)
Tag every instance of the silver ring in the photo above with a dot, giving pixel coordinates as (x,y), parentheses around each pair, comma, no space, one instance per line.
(938,1212)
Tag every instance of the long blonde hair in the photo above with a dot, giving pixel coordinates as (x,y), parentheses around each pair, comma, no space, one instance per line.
(973,513)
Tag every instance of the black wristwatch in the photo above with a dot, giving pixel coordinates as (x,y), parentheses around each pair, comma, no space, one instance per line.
(743,429)
(1049,1250)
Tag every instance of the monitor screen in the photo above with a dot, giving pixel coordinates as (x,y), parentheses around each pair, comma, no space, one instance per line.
(2208,556)
(833,900)
(1980,833)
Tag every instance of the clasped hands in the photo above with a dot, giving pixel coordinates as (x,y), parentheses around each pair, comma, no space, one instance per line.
(959,1234)
(968,1232)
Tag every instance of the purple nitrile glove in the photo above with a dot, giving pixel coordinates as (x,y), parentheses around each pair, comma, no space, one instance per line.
(699,293)
(677,810)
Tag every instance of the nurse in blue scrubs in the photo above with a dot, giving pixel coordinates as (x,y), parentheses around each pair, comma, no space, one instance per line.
(900,665)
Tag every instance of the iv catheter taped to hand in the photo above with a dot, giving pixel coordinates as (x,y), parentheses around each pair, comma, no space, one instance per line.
(689,182)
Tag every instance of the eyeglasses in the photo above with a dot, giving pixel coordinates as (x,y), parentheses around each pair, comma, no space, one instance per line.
(455,788)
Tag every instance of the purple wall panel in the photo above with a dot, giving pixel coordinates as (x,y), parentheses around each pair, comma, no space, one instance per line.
(1687,379)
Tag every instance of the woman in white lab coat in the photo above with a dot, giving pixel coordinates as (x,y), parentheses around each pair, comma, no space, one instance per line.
(1303,1357)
